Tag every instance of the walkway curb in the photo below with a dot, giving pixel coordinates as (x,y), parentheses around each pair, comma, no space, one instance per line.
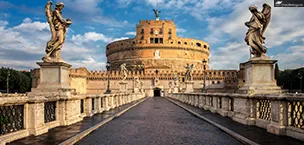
(235,135)
(84,133)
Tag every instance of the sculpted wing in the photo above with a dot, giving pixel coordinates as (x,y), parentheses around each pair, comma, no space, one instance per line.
(49,16)
(267,14)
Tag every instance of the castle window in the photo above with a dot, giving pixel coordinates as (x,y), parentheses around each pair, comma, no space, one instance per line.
(161,40)
(198,45)
(218,82)
(179,42)
(205,46)
(151,31)
(185,43)
(156,40)
(142,31)
(170,31)
(170,37)
(171,42)
(151,40)
(161,31)
(133,42)
(142,37)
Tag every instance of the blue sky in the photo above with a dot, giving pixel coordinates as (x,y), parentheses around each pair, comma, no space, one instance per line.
(24,30)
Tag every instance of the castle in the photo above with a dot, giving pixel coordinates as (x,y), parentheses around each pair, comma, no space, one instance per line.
(156,56)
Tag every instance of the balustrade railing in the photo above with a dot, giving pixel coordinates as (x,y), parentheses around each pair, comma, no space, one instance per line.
(11,118)
(264,109)
(296,114)
(49,111)
(281,114)
(23,115)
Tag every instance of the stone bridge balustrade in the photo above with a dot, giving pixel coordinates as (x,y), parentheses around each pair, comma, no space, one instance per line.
(281,114)
(22,115)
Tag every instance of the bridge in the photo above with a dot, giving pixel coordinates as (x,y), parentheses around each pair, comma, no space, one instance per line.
(177,118)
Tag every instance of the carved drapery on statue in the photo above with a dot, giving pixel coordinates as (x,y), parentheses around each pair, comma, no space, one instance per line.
(257,26)
(58,27)
(188,74)
(123,72)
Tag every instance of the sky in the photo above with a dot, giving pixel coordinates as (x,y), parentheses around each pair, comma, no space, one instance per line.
(24,30)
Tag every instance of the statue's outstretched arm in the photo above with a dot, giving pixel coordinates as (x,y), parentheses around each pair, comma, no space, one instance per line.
(59,16)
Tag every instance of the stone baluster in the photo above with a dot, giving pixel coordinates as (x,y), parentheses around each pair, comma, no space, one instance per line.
(279,117)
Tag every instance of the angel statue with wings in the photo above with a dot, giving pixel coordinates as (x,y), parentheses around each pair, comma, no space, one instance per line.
(188,74)
(156,12)
(257,26)
(123,72)
(58,27)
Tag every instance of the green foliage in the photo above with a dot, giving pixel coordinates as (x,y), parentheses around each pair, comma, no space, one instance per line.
(20,82)
(290,79)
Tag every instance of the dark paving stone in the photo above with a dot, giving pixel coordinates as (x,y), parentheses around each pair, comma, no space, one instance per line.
(157,121)
(62,133)
(256,134)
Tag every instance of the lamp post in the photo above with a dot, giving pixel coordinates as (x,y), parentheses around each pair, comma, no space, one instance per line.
(301,82)
(204,63)
(108,91)
(7,81)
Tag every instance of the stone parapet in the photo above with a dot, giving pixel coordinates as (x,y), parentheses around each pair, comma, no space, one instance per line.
(43,111)
(280,114)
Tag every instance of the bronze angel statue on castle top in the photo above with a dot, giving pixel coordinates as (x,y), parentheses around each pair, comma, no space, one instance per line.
(257,26)
(58,27)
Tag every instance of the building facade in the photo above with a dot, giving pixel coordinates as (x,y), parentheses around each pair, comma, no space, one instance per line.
(157,57)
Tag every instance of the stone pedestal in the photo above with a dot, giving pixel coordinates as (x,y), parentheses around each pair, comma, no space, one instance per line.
(135,90)
(259,77)
(123,87)
(189,87)
(175,89)
(54,75)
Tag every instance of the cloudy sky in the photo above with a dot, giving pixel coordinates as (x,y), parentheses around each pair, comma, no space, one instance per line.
(24,30)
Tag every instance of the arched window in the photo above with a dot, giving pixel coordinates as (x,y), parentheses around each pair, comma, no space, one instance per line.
(198,45)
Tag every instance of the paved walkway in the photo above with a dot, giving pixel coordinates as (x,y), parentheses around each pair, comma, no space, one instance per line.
(157,121)
(62,133)
(256,134)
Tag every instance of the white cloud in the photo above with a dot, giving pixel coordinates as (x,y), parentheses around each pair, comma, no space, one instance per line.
(89,27)
(109,21)
(23,45)
(180,30)
(293,58)
(229,57)
(131,33)
(121,38)
(285,26)
(27,20)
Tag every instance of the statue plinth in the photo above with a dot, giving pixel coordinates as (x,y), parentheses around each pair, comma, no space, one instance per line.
(123,87)
(259,77)
(54,75)
(189,87)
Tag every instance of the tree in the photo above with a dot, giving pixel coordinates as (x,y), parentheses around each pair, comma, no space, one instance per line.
(276,72)
(19,82)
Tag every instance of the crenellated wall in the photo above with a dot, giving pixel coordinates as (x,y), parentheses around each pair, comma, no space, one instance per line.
(94,82)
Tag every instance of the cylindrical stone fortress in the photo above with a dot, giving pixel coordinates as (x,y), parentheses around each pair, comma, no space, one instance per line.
(156,46)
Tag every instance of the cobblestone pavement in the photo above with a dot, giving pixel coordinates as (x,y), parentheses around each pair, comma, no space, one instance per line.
(157,121)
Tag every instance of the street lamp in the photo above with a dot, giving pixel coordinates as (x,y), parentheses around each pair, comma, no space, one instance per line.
(7,81)
(204,63)
(301,82)
(108,91)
